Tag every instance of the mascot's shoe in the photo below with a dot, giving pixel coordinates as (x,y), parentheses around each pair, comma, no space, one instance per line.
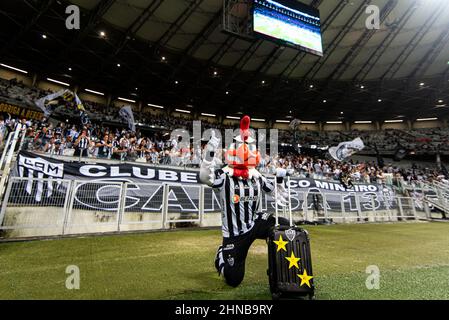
(217,258)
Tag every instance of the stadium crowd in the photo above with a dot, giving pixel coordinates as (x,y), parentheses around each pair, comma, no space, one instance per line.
(422,141)
(19,93)
(102,140)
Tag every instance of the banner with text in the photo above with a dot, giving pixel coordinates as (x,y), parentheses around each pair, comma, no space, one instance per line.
(21,112)
(145,188)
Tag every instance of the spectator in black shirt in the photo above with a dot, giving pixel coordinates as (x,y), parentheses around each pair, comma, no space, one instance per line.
(104,148)
(81,144)
(120,150)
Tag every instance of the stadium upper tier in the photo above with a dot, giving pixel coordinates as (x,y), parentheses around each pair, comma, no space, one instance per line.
(419,141)
(159,117)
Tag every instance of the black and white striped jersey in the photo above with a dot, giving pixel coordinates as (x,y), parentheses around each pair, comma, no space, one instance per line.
(83,143)
(240,200)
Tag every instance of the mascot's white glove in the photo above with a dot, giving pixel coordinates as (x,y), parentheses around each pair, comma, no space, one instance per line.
(282,195)
(207,170)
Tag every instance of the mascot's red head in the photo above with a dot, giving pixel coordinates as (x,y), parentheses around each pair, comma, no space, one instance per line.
(243,155)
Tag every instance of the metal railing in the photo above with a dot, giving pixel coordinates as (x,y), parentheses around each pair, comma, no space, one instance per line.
(8,154)
(45,207)
(435,194)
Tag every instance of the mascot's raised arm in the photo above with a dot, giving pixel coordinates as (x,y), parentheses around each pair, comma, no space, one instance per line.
(241,186)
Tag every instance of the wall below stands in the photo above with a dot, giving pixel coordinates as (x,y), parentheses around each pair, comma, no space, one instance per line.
(427,124)
(363,127)
(334,127)
(9,75)
(397,126)
(92,97)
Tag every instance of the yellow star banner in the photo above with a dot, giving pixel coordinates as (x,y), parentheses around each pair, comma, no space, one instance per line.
(293,261)
(281,244)
(305,278)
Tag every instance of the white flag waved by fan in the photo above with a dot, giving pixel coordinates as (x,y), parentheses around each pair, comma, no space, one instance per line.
(294,124)
(346,149)
(127,114)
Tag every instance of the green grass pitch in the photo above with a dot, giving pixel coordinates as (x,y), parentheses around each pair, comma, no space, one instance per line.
(413,259)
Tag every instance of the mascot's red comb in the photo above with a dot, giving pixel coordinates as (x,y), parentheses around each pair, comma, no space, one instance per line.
(244,127)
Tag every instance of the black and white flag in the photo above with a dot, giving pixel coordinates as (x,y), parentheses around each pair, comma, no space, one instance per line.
(126,113)
(346,149)
(49,103)
(42,169)
(67,98)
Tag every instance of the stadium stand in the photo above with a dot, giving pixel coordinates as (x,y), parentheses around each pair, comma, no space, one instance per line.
(157,148)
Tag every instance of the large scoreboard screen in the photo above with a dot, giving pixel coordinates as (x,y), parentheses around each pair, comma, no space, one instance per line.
(289,22)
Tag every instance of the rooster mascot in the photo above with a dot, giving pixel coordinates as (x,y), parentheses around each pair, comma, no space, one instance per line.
(241,186)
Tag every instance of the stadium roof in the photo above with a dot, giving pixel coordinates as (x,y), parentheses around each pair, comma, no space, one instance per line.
(176,54)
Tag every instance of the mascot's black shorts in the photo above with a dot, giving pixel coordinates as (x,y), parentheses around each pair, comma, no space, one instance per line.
(235,249)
